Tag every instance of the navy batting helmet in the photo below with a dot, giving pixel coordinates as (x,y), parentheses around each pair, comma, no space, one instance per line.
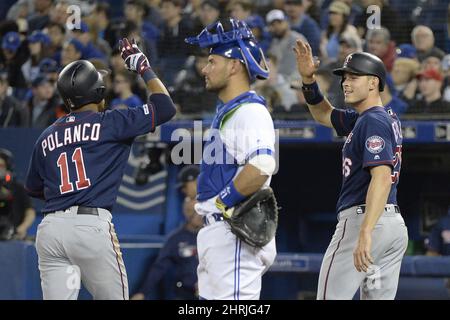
(233,39)
(79,84)
(363,63)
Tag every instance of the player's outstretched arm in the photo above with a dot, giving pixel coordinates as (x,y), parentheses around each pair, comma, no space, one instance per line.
(136,61)
(318,105)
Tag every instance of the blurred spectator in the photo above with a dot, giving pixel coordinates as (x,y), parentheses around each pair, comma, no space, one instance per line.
(242,10)
(432,13)
(447,33)
(179,253)
(273,100)
(303,24)
(284,39)
(102,34)
(132,31)
(390,98)
(16,211)
(324,78)
(432,60)
(347,44)
(20,10)
(38,43)
(50,68)
(355,10)
(57,34)
(12,57)
(312,9)
(154,12)
(90,51)
(189,92)
(172,48)
(280,84)
(423,39)
(406,50)
(11,113)
(43,103)
(58,13)
(300,108)
(123,82)
(135,11)
(259,30)
(438,243)
(446,70)
(116,61)
(187,181)
(403,72)
(19,13)
(430,85)
(9,26)
(389,18)
(192,8)
(379,43)
(136,27)
(338,24)
(72,50)
(209,13)
(41,15)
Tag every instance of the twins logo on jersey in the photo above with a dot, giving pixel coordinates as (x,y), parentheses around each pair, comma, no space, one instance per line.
(375,144)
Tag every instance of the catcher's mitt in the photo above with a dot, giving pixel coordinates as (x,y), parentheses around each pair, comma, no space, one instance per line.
(255,220)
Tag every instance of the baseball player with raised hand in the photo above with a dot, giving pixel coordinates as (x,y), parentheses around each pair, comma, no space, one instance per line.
(370,240)
(76,168)
(236,245)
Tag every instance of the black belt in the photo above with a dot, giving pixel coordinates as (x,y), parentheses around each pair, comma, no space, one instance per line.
(362,209)
(82,210)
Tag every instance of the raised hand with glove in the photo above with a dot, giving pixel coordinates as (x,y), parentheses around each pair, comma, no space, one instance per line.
(136,61)
(159,100)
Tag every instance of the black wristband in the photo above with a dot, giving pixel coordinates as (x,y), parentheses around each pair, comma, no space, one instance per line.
(148,75)
(312,93)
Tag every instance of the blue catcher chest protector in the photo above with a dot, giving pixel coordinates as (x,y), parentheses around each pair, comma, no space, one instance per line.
(216,168)
(237,43)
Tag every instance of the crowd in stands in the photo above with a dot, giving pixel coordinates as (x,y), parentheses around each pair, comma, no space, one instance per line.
(38,38)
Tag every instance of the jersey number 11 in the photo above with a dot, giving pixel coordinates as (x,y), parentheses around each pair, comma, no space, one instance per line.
(83,182)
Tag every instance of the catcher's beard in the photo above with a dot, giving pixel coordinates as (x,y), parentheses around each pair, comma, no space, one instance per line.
(220,81)
(216,87)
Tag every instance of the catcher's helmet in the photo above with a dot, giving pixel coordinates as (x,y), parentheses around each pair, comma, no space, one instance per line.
(363,63)
(233,39)
(79,84)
